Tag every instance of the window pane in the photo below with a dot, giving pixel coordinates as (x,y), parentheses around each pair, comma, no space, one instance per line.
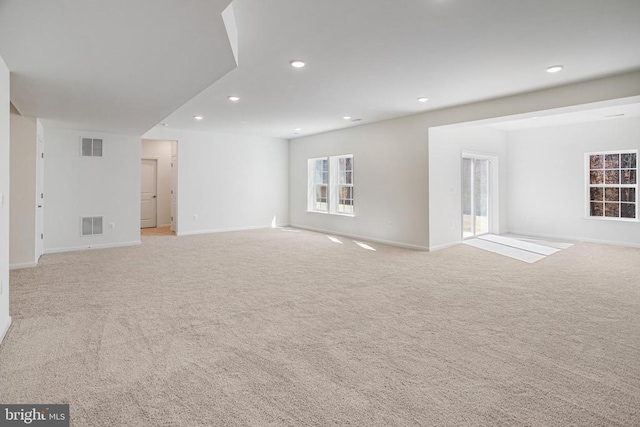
(629,160)
(596,162)
(612,161)
(597,177)
(321,172)
(629,176)
(628,194)
(597,209)
(612,194)
(597,194)
(612,210)
(349,163)
(628,210)
(612,177)
(349,178)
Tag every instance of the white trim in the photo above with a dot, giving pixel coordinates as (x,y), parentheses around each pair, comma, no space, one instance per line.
(163,225)
(22,265)
(359,237)
(4,329)
(98,246)
(575,239)
(225,230)
(444,246)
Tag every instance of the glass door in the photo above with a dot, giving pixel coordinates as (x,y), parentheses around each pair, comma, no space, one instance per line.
(475,196)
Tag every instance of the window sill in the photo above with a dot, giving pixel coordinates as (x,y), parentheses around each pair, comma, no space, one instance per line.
(332,213)
(607,218)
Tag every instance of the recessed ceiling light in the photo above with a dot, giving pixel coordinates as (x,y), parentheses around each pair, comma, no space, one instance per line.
(233,98)
(296,63)
(164,124)
(347,117)
(554,68)
(535,118)
(298,129)
(423,99)
(198,117)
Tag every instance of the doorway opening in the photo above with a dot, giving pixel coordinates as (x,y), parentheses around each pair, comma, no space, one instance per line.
(158,187)
(149,194)
(478,194)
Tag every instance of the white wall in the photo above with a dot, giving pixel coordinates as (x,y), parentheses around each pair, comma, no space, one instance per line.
(22,252)
(390,176)
(547,180)
(77,186)
(160,150)
(445,185)
(5,319)
(228,182)
(392,162)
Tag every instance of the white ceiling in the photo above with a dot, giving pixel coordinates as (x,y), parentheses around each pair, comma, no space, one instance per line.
(111,65)
(369,59)
(562,118)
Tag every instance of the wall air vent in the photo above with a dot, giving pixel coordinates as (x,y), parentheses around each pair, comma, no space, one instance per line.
(91,226)
(91,147)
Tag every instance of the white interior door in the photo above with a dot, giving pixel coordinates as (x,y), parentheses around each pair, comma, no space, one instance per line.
(174,191)
(40,199)
(149,193)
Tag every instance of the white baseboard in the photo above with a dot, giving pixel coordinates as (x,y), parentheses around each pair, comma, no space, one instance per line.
(444,246)
(22,265)
(164,225)
(224,230)
(575,239)
(369,239)
(5,328)
(84,248)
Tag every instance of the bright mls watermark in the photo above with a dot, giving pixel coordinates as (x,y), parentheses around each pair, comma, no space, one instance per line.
(34,415)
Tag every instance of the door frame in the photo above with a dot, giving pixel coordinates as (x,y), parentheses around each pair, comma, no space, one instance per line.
(155,159)
(493,209)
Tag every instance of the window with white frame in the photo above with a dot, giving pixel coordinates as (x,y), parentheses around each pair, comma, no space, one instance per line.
(613,184)
(345,184)
(318,170)
(330,186)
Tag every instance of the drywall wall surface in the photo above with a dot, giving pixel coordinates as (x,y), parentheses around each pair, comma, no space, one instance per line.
(445,184)
(160,150)
(392,185)
(228,182)
(5,319)
(547,183)
(22,237)
(390,166)
(78,186)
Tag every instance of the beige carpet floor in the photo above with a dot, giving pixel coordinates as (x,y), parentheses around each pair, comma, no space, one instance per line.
(283,328)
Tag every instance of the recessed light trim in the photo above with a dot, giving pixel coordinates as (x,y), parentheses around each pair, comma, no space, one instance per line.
(554,68)
(233,98)
(297,129)
(347,117)
(423,99)
(164,124)
(296,63)
(198,117)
